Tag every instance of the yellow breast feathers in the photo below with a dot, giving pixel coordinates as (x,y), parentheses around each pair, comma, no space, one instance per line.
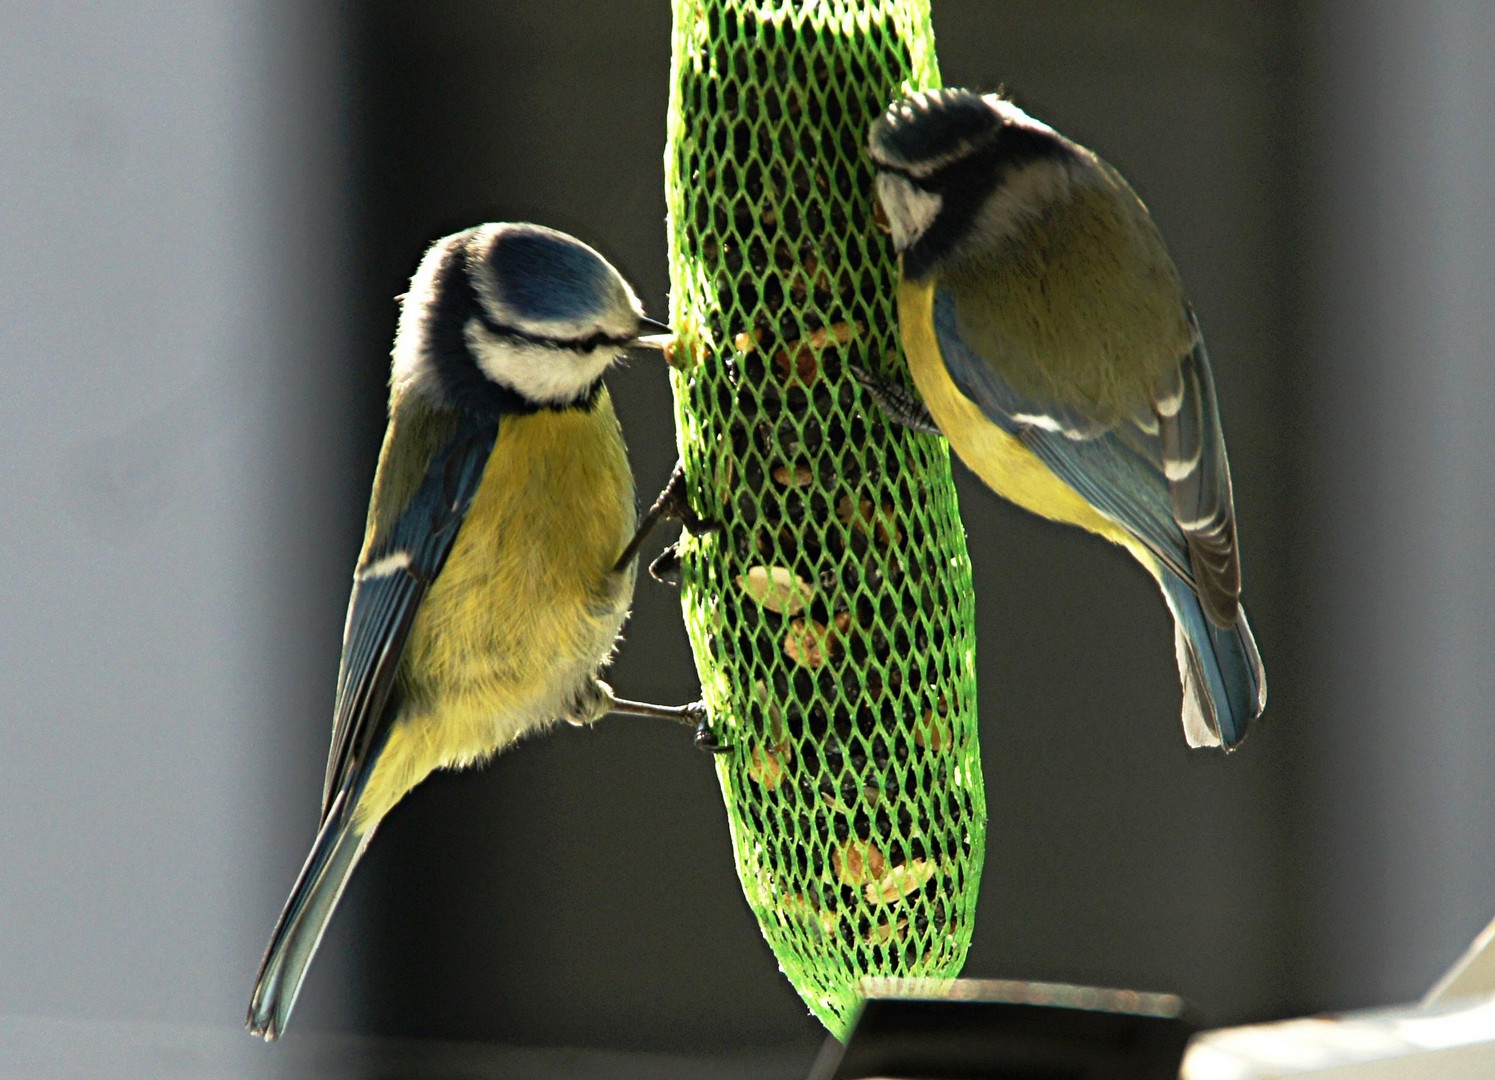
(527,606)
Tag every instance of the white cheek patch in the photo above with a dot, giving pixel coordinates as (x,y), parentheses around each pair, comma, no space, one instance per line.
(911,210)
(540,373)
(417,310)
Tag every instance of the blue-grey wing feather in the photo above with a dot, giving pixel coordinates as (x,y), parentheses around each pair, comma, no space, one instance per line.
(1198,474)
(1163,476)
(1117,469)
(383,608)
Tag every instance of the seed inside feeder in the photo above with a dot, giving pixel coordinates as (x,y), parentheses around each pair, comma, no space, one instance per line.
(776,588)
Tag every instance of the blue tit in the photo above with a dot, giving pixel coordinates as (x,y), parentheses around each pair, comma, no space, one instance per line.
(489,591)
(1048,334)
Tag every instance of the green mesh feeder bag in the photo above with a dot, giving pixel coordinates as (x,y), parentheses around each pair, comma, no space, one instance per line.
(831,615)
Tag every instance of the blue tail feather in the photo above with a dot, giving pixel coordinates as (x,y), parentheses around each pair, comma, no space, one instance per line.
(1225,687)
(298,933)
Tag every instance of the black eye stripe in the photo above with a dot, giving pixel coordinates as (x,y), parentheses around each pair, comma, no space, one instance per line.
(440,332)
(578,344)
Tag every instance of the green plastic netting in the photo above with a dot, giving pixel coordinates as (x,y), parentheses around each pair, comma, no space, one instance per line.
(832,615)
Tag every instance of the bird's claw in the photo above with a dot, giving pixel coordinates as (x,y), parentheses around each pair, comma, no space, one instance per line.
(898,403)
(666,566)
(704,738)
(672,505)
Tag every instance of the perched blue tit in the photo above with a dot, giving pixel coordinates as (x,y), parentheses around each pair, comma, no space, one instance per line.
(489,591)
(1048,335)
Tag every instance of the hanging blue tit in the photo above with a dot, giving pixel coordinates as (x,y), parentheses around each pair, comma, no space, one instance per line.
(1048,335)
(489,592)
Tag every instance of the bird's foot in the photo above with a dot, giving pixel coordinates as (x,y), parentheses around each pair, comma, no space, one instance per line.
(705,738)
(898,403)
(670,506)
(591,703)
(673,506)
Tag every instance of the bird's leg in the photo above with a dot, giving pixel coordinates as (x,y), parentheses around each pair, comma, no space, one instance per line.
(694,714)
(898,403)
(671,505)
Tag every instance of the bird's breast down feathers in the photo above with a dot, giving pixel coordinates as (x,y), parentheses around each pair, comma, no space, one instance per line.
(527,605)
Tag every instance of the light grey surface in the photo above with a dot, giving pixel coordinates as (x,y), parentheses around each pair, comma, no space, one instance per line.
(169,262)
(1473,973)
(1454,1040)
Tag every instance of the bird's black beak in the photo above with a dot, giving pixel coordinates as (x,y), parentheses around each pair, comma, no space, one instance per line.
(661,337)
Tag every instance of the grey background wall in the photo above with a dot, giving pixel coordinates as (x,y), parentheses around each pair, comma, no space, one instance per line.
(173,267)
(205,213)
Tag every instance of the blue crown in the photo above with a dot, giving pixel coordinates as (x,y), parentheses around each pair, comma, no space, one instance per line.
(931,126)
(544,275)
